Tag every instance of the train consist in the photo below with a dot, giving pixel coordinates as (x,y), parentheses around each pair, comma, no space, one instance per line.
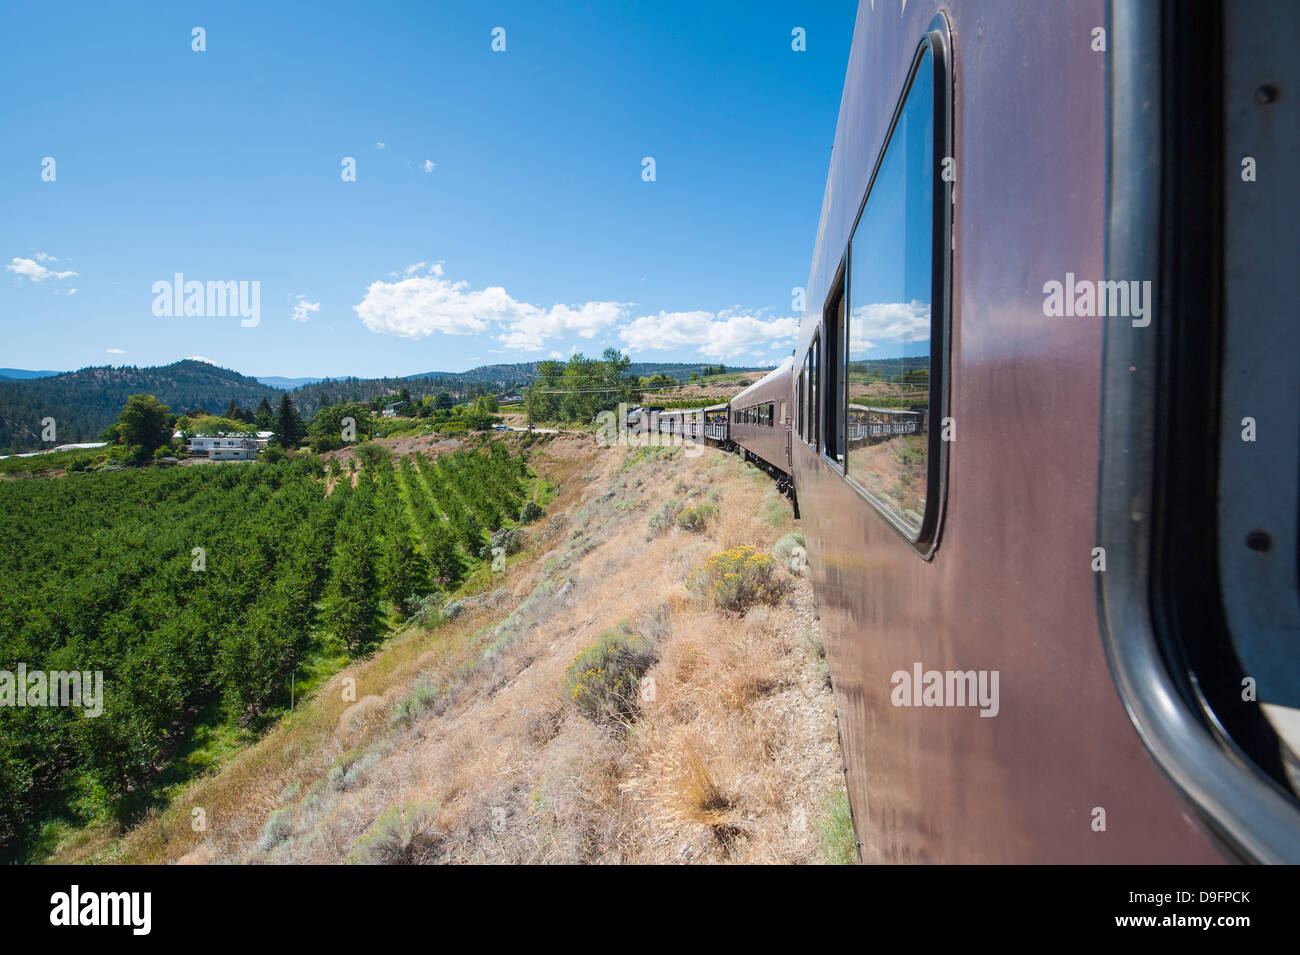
(755,423)
(1056,567)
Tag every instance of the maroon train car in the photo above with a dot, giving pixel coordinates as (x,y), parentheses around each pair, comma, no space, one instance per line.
(1057,575)
(760,420)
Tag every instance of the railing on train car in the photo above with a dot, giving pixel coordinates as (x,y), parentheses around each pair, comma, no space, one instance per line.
(864,432)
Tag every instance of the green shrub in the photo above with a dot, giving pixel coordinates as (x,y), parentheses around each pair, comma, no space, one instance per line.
(663,519)
(405,712)
(371,453)
(737,579)
(278,826)
(350,769)
(604,680)
(427,610)
(402,835)
(696,518)
(506,538)
(786,545)
(836,840)
(791,551)
(530,512)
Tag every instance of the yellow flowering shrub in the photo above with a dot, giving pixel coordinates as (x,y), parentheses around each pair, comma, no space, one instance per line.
(605,679)
(737,579)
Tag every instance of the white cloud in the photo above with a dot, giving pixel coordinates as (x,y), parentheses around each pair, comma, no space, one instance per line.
(421,305)
(29,268)
(302,309)
(116,351)
(198,358)
(42,257)
(720,335)
(380,145)
(71,291)
(429,165)
(890,322)
(534,325)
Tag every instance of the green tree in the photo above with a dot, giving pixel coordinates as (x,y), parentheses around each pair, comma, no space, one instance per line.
(403,572)
(328,422)
(288,425)
(145,424)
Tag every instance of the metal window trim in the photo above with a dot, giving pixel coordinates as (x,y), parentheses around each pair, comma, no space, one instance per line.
(937,40)
(1241,806)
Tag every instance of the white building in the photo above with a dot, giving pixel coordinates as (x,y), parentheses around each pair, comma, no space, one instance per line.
(230,447)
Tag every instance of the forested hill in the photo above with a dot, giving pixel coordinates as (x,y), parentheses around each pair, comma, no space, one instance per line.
(83,403)
(486,379)
(524,372)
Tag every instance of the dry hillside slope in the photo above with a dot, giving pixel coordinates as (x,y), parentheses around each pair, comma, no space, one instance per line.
(462,742)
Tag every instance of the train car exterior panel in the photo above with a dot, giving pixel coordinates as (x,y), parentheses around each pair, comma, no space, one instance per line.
(1008,587)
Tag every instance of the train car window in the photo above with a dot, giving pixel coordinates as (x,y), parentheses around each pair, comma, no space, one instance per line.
(805,398)
(833,401)
(890,320)
(798,402)
(814,383)
(783,417)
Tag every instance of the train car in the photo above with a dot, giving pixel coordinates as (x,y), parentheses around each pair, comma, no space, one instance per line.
(687,424)
(865,424)
(760,420)
(717,424)
(1060,596)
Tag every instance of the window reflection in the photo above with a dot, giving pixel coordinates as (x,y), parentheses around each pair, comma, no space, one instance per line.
(888,368)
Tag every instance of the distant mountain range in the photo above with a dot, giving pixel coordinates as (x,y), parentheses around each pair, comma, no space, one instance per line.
(21,373)
(83,403)
(288,384)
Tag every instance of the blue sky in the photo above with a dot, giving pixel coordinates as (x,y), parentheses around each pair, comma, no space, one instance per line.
(511,181)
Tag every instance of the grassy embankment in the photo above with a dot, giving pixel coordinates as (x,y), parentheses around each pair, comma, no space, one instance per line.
(697,727)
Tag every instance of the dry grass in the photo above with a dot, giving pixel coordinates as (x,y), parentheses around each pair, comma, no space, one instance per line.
(462,747)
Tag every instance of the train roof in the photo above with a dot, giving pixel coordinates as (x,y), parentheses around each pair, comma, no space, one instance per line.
(853,407)
(775,374)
